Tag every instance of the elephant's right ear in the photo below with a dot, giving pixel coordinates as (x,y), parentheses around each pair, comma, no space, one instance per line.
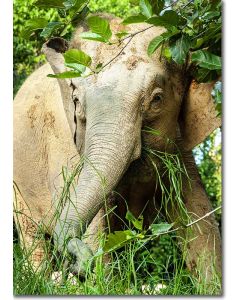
(53,50)
(198,117)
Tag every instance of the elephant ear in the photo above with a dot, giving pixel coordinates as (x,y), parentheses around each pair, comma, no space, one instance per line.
(198,116)
(53,50)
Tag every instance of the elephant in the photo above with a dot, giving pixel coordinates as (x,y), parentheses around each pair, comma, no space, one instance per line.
(101,118)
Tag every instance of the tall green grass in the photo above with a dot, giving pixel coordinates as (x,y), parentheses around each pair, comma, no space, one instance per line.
(136,269)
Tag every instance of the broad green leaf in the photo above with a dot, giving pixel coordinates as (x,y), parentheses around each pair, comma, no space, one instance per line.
(67,74)
(202,75)
(180,49)
(100,26)
(92,36)
(80,16)
(134,19)
(198,43)
(50,28)
(146,8)
(37,23)
(206,60)
(77,67)
(168,20)
(74,6)
(167,53)
(160,228)
(73,3)
(157,41)
(137,223)
(69,3)
(33,25)
(50,3)
(117,239)
(77,56)
(157,6)
(211,14)
(171,17)
(155,44)
(205,75)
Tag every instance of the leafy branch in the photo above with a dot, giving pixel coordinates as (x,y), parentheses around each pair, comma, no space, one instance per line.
(118,239)
(193,33)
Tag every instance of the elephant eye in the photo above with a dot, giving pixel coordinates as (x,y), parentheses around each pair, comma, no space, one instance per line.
(157,100)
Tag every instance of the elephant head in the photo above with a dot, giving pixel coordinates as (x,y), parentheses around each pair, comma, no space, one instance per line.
(106,113)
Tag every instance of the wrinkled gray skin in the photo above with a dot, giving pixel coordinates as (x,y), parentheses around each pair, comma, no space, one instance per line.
(101,117)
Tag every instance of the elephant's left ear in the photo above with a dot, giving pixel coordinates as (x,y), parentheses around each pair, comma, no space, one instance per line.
(198,116)
(53,50)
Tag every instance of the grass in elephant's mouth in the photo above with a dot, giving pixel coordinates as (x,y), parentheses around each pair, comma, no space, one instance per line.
(153,268)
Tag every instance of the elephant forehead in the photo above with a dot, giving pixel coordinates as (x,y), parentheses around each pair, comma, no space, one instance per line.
(128,76)
(131,49)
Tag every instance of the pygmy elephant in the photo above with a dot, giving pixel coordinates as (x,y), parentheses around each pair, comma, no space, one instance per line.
(102,119)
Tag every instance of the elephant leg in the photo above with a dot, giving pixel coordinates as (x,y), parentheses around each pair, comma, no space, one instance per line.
(201,241)
(30,237)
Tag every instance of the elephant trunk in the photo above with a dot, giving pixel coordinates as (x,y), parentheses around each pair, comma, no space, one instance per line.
(111,144)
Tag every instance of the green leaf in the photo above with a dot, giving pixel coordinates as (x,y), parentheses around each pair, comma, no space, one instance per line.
(92,36)
(50,3)
(169,18)
(211,15)
(197,43)
(157,41)
(160,228)
(206,60)
(80,16)
(50,28)
(157,6)
(76,4)
(33,25)
(77,67)
(137,223)
(100,26)
(205,75)
(146,8)
(77,56)
(67,74)
(134,19)
(180,49)
(167,53)
(118,239)
(155,44)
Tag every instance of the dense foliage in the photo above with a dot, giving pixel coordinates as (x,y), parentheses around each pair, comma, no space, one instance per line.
(192,37)
(27,51)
